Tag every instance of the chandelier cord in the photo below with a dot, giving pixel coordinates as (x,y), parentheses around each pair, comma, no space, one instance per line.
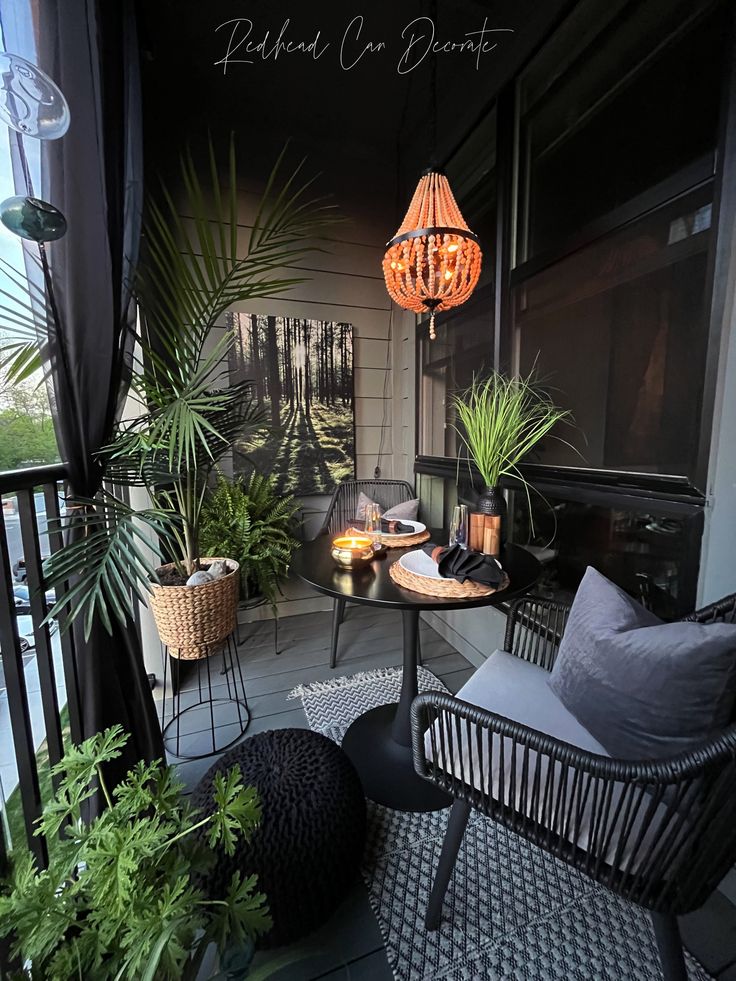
(433,92)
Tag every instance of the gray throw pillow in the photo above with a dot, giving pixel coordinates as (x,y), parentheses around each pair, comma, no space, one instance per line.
(406,511)
(643,688)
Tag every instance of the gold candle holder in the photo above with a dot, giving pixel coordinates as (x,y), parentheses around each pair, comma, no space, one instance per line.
(352,552)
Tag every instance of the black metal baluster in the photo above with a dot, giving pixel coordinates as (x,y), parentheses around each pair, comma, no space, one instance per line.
(41,633)
(66,637)
(20,716)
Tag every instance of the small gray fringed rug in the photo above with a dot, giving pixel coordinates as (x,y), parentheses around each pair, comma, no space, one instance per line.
(511,911)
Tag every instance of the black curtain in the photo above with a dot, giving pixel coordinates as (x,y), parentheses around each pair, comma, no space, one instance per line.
(94,176)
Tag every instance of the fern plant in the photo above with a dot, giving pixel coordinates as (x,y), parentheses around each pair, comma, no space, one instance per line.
(119,898)
(248,521)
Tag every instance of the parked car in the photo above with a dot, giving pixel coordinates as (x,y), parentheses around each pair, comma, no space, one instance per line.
(25,631)
(22,596)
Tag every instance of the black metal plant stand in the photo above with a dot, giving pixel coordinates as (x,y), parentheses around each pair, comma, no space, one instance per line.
(236,695)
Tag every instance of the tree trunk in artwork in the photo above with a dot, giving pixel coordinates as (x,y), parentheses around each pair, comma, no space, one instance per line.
(255,353)
(274,382)
(307,370)
(288,370)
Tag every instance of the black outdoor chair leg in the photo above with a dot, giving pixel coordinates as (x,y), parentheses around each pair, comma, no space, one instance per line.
(450,847)
(671,954)
(338,612)
(419,647)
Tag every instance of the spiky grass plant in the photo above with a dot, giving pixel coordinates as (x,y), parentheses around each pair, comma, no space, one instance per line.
(120,899)
(500,419)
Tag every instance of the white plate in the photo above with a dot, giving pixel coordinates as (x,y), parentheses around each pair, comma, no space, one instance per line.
(417,526)
(420,564)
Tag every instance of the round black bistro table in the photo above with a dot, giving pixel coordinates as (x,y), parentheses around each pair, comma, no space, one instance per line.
(379,741)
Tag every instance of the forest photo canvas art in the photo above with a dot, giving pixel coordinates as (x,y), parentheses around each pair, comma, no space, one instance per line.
(302,371)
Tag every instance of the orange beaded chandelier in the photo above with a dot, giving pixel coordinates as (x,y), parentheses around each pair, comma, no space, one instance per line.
(433,262)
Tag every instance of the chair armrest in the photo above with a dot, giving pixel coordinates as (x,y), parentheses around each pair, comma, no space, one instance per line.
(534,629)
(660,832)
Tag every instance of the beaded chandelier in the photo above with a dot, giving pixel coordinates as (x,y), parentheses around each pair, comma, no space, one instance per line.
(433,262)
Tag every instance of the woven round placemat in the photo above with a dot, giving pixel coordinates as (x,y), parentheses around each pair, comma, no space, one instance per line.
(442,588)
(404,541)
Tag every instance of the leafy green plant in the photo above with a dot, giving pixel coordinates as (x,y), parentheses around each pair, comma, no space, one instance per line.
(248,521)
(119,899)
(500,419)
(192,270)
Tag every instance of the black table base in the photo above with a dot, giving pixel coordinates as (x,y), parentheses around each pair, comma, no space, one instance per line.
(379,742)
(385,767)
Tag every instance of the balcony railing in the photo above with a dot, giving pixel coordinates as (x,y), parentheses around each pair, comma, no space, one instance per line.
(39,691)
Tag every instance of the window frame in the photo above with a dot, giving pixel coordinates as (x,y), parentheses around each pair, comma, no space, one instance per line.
(720,168)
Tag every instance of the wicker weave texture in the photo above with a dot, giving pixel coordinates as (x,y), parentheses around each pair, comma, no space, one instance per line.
(442,588)
(190,619)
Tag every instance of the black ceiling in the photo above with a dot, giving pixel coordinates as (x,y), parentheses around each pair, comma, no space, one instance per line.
(358,112)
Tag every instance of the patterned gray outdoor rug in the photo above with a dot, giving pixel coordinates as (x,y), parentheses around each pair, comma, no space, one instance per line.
(511,911)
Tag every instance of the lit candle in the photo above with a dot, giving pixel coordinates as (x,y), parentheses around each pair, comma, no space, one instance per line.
(352,552)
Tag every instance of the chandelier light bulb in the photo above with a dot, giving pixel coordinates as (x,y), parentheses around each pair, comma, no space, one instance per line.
(433,262)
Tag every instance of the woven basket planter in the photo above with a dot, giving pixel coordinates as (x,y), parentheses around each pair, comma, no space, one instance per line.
(191,619)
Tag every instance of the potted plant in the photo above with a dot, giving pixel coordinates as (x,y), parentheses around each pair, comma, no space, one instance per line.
(119,899)
(499,420)
(192,271)
(247,519)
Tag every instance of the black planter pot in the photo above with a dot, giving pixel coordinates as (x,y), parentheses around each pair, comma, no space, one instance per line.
(491,501)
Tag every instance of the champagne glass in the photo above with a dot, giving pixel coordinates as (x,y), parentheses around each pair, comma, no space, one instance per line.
(459,526)
(373,525)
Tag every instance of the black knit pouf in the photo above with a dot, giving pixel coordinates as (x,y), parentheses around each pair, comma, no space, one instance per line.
(308,846)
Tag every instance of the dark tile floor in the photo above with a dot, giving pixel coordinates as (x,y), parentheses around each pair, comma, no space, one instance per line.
(349,945)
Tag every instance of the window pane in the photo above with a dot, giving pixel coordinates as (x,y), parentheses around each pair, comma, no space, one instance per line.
(472,177)
(618,332)
(463,348)
(653,555)
(601,126)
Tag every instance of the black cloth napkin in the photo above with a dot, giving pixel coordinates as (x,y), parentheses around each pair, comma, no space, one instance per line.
(454,562)
(388,527)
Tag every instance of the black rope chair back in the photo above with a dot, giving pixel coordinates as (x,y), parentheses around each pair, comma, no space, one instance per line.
(344,503)
(660,833)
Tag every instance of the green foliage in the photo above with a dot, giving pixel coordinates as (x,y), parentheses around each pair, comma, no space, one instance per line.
(119,899)
(248,521)
(501,419)
(192,270)
(27,436)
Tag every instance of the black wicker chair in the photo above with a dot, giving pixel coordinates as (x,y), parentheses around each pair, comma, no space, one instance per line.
(661,834)
(387,493)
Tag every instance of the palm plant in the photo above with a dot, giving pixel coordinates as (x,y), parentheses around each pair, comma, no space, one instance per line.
(248,521)
(500,419)
(190,275)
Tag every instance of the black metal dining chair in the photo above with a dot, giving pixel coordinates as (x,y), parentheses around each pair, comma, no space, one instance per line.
(340,514)
(661,834)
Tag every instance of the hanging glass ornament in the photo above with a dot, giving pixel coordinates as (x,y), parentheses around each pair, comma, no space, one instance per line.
(32,219)
(30,102)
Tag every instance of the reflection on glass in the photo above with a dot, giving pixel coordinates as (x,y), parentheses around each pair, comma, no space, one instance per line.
(597,125)
(652,555)
(618,332)
(463,350)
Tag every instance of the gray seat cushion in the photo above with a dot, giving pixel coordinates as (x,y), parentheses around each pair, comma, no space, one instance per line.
(518,690)
(645,689)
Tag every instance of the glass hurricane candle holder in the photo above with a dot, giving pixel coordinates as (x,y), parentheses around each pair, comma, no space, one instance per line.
(352,552)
